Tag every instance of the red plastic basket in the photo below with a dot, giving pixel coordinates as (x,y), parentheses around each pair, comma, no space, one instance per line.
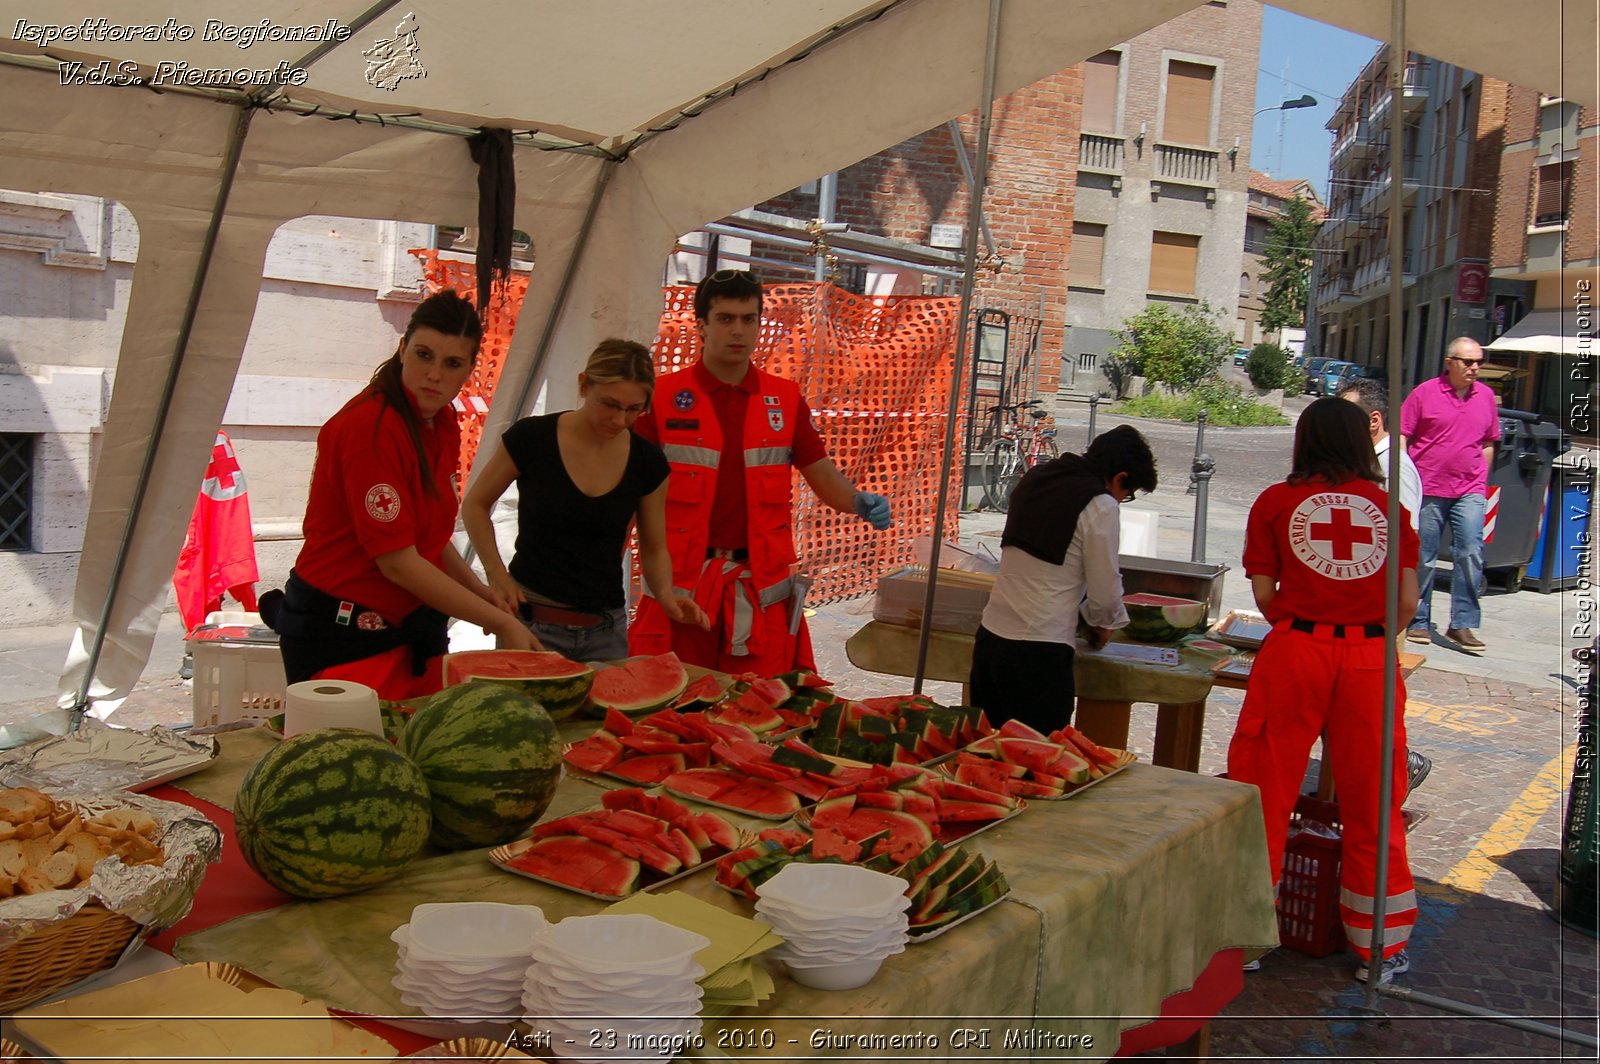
(1308,892)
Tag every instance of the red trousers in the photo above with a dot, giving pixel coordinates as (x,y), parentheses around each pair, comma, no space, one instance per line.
(1308,684)
(744,635)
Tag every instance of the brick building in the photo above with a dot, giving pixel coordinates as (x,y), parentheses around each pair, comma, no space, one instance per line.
(1113,184)
(1544,240)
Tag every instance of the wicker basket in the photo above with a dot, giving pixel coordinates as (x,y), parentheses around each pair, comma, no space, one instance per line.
(60,954)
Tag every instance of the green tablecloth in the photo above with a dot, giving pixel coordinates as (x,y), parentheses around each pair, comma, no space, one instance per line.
(1120,897)
(892,649)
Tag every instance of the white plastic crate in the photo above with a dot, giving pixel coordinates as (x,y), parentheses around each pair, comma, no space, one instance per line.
(237,674)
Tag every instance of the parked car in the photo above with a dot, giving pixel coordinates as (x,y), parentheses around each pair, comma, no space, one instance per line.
(1313,370)
(1333,371)
(1350,373)
(1241,355)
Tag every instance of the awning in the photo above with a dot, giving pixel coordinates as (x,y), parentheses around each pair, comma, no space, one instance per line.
(1544,330)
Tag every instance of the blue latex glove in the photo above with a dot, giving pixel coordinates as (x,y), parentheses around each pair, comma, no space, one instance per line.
(874,509)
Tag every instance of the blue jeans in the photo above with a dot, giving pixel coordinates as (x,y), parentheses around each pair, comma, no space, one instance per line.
(606,641)
(1465,517)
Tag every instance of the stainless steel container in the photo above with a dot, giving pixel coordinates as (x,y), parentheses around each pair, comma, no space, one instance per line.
(1200,581)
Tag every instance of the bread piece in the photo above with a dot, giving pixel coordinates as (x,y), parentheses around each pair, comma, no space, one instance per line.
(61,869)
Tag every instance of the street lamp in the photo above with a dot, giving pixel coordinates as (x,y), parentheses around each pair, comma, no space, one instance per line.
(1307,100)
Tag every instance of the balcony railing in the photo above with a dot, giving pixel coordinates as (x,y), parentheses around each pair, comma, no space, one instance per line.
(1337,289)
(1376,272)
(1187,166)
(1101,152)
(1411,179)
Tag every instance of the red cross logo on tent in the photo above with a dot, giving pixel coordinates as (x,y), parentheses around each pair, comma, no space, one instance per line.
(383,503)
(1341,536)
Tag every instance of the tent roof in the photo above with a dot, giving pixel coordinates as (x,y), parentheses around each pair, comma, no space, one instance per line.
(657,118)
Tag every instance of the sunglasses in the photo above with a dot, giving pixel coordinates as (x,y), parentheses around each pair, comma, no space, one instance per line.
(724,276)
(1466,361)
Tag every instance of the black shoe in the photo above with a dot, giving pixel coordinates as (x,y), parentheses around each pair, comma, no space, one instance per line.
(1417,768)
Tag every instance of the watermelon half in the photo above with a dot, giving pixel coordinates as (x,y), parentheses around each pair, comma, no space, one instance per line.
(557,684)
(1163,618)
(639,685)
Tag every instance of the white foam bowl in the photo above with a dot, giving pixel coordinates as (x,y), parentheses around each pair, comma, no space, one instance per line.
(475,930)
(787,922)
(449,982)
(817,891)
(846,976)
(859,947)
(552,1003)
(624,942)
(787,953)
(551,971)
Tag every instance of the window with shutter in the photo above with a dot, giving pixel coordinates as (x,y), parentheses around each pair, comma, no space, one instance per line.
(1173,260)
(1100,92)
(1188,106)
(1552,194)
(1087,254)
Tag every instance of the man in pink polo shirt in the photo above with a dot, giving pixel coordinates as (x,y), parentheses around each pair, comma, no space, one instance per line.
(1450,425)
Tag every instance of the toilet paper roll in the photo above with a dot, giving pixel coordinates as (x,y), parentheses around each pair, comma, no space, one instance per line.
(313,704)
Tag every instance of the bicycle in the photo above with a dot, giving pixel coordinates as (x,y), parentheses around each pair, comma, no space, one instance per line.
(1016,451)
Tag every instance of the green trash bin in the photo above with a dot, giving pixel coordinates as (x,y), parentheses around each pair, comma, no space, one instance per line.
(1578,879)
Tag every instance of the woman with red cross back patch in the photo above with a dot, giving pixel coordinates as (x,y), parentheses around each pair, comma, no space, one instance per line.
(1316,551)
(378,579)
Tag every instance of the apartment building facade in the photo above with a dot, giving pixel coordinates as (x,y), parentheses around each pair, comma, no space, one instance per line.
(1448,180)
(1267,199)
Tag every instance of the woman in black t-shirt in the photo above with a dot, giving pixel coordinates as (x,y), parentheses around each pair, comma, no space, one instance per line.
(582,479)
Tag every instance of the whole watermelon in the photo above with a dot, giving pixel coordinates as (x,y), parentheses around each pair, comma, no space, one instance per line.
(331,812)
(492,760)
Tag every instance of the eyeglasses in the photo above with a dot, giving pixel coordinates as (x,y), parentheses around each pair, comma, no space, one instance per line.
(626,411)
(724,276)
(1466,361)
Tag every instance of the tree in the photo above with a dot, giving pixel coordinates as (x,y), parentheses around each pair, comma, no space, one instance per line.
(1269,366)
(1180,350)
(1288,266)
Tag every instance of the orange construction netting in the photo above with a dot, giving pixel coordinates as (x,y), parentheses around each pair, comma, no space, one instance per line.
(473,402)
(876,373)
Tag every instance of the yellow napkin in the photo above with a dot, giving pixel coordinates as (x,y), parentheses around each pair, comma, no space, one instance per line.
(191,1014)
(731,979)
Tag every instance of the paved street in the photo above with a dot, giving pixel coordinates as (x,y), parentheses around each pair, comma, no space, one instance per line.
(1500,729)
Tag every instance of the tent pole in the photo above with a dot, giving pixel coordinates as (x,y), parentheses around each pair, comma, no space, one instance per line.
(957,373)
(236,137)
(525,389)
(1391,597)
(546,336)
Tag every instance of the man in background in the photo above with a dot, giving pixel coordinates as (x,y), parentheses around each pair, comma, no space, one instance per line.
(1372,397)
(1450,426)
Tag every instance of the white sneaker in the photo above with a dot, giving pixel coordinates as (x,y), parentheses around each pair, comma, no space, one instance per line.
(1399,964)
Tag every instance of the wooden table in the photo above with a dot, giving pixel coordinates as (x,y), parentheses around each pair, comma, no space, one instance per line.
(1107,686)
(1123,898)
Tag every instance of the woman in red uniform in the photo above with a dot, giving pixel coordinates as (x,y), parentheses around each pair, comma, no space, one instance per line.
(1315,551)
(377,580)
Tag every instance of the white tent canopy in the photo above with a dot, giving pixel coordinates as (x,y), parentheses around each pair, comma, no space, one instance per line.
(635,121)
(1542,331)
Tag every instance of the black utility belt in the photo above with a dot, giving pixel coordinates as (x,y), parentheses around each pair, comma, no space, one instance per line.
(1339,631)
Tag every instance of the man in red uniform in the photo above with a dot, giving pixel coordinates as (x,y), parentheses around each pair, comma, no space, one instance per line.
(731,433)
